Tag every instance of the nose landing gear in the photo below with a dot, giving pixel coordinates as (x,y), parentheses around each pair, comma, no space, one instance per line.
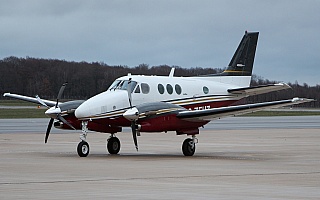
(83,149)
(83,146)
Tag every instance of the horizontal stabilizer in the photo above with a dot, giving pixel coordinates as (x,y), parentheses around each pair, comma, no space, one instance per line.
(29,99)
(249,91)
(216,113)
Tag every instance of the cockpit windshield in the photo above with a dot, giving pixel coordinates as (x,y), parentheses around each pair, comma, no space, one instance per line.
(114,85)
(122,85)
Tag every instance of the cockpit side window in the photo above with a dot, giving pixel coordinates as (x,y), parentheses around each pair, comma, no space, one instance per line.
(137,89)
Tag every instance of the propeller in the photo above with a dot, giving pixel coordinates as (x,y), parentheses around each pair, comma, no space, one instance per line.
(54,112)
(48,130)
(132,114)
(129,92)
(61,92)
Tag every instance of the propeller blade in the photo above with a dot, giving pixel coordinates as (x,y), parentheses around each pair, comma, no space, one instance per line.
(132,114)
(61,92)
(65,121)
(129,93)
(41,102)
(48,130)
(134,134)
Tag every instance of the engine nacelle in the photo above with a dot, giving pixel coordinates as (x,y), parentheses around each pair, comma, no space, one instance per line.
(169,123)
(61,125)
(103,128)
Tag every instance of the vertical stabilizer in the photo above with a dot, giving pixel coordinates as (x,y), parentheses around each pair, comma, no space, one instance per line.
(242,61)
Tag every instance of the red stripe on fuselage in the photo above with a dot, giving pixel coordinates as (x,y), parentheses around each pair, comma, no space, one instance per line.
(121,121)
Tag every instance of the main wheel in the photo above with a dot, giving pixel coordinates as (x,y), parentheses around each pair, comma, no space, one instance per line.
(188,147)
(83,149)
(113,145)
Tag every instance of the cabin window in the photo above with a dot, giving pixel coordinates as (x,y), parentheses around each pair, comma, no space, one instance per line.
(145,88)
(160,88)
(177,88)
(169,89)
(205,89)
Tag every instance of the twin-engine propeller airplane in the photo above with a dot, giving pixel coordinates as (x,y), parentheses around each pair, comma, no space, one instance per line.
(164,103)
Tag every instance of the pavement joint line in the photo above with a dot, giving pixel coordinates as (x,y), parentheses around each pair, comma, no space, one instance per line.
(158,178)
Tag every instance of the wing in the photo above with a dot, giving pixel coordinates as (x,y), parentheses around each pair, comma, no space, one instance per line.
(248,91)
(29,99)
(216,113)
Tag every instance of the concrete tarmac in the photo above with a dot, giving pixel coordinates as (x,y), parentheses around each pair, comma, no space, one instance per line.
(250,163)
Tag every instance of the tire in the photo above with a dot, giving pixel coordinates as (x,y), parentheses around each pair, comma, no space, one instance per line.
(83,149)
(188,148)
(113,145)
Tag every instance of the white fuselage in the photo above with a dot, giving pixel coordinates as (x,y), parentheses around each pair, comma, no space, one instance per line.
(190,92)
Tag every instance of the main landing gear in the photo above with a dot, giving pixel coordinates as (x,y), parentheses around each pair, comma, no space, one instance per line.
(113,143)
(189,146)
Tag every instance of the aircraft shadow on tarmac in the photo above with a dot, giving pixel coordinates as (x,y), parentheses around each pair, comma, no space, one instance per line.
(241,156)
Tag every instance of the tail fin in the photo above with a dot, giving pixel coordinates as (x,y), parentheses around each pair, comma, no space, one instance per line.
(241,63)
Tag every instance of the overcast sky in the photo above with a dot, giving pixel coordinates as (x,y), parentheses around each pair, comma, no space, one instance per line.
(199,33)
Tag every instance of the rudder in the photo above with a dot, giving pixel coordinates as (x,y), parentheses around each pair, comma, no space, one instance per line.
(242,61)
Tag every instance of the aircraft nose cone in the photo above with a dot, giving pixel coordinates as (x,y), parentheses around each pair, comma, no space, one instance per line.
(82,111)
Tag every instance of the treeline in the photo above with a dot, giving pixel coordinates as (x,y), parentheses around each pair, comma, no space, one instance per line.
(31,76)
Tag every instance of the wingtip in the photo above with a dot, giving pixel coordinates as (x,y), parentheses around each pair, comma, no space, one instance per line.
(285,85)
(297,99)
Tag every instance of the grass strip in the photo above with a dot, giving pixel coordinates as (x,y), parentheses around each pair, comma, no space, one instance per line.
(22,113)
(16,103)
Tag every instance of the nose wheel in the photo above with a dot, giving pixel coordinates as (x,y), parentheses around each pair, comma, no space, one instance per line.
(83,149)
